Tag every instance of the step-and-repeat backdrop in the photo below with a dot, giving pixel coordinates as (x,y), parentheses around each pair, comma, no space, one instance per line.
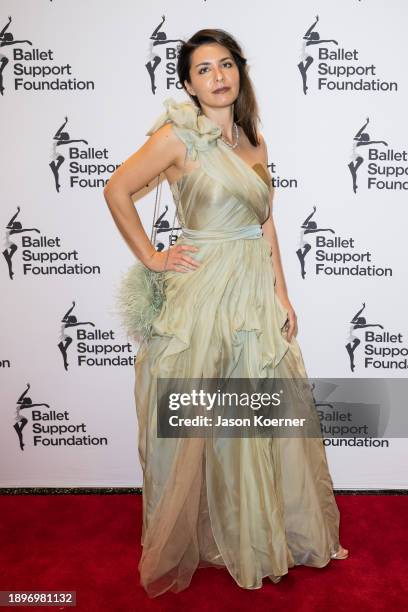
(80,84)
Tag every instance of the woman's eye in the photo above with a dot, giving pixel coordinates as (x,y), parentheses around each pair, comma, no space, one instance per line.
(228,63)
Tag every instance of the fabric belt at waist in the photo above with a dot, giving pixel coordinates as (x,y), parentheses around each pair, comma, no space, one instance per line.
(244,232)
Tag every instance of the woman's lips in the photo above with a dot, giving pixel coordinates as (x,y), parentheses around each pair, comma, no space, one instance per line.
(223,90)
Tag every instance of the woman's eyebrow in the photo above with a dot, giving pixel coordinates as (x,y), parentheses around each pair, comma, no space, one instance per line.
(206,63)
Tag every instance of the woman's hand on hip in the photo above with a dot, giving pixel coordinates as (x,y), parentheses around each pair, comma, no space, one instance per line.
(174,258)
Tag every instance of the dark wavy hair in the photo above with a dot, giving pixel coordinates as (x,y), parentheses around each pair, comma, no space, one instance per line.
(246,112)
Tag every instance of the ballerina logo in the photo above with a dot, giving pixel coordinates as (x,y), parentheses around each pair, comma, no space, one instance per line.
(381,174)
(42,255)
(50,427)
(14,227)
(33,69)
(7,40)
(91,348)
(162,226)
(350,75)
(336,256)
(84,174)
(382,350)
(308,227)
(169,48)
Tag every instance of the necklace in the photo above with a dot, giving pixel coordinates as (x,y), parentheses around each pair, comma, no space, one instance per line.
(233,145)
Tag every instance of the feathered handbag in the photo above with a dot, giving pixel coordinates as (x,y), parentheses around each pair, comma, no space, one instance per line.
(141,291)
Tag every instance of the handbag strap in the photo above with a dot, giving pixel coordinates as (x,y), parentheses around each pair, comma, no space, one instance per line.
(156,213)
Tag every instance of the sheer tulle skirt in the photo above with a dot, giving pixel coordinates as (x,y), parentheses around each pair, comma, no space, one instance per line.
(255,506)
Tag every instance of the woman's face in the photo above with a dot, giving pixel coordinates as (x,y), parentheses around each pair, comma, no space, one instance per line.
(212,68)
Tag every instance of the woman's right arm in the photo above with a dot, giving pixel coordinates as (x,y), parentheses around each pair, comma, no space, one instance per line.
(162,150)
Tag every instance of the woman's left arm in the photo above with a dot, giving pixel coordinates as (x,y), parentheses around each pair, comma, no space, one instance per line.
(269,233)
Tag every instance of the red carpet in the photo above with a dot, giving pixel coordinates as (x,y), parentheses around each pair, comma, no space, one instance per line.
(91,544)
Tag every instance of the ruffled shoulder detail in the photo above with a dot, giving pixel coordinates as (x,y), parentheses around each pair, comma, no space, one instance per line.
(194,128)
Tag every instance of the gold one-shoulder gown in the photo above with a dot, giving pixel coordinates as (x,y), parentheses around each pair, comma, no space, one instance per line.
(255,506)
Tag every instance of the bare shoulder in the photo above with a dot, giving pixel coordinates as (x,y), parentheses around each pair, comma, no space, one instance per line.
(172,147)
(165,140)
(253,154)
(161,152)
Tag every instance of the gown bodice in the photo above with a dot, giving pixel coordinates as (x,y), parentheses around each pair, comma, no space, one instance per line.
(222,191)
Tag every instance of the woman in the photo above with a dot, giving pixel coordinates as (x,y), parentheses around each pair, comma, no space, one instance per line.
(255,506)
